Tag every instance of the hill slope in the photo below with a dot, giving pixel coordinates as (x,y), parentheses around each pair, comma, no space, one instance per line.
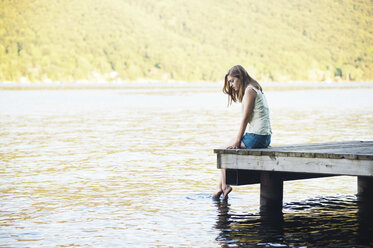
(185,40)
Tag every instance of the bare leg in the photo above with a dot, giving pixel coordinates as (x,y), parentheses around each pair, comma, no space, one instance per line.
(218,190)
(222,187)
(223,179)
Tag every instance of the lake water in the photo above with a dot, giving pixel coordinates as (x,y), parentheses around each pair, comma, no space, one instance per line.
(132,165)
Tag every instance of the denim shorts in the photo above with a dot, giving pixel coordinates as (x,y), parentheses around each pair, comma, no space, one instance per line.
(252,140)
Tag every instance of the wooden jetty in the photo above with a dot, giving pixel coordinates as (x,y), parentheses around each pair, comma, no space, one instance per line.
(272,166)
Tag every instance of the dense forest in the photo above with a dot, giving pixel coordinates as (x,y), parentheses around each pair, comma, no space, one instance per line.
(189,40)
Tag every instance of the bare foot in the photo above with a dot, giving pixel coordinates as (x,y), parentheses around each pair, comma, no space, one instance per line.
(226,191)
(217,194)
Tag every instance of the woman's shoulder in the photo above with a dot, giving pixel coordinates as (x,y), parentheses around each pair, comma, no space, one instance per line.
(252,89)
(250,92)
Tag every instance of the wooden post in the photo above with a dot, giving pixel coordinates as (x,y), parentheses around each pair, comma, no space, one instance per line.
(271,191)
(365,189)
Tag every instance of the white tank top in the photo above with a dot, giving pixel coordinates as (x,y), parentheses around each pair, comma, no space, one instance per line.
(260,122)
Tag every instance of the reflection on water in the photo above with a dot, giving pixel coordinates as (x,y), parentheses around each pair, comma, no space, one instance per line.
(134,166)
(318,222)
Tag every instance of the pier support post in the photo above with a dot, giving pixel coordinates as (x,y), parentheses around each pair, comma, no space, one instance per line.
(271,191)
(365,189)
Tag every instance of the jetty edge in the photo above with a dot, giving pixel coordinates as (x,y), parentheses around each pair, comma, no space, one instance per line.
(273,165)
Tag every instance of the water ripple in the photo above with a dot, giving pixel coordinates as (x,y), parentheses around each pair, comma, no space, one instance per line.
(135,168)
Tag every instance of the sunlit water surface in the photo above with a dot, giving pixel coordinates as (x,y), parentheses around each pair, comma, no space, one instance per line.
(134,166)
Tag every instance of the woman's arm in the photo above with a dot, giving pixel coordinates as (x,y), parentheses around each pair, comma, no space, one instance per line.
(248,99)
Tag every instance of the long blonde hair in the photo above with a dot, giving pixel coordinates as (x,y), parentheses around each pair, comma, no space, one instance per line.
(239,72)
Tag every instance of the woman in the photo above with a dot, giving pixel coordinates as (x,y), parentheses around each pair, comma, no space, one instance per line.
(255,128)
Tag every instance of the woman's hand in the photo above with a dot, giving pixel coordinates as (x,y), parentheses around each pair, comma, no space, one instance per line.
(236,145)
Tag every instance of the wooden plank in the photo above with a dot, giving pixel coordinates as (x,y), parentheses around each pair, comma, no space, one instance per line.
(246,177)
(326,145)
(297,164)
(353,150)
(335,155)
(363,149)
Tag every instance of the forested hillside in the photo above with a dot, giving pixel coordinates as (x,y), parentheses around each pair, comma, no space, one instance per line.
(190,40)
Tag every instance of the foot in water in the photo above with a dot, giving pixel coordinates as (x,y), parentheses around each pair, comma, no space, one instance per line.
(226,191)
(216,195)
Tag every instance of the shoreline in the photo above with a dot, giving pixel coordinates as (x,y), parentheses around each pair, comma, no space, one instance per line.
(86,85)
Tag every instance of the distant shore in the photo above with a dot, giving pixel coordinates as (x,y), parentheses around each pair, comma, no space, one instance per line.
(82,85)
